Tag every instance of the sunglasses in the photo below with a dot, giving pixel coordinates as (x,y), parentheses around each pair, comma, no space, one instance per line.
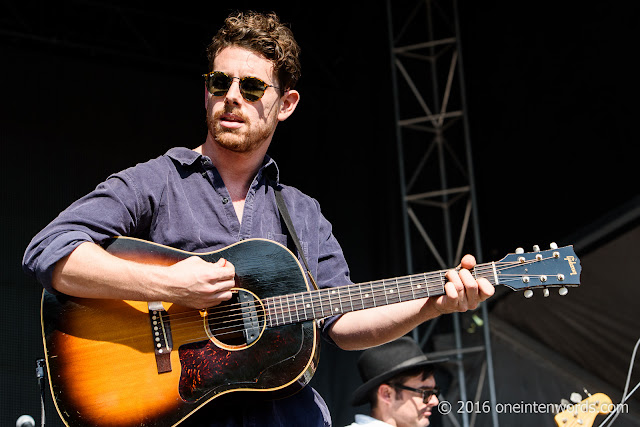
(251,88)
(425,392)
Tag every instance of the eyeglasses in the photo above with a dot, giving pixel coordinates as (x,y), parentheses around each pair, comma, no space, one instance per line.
(251,88)
(425,392)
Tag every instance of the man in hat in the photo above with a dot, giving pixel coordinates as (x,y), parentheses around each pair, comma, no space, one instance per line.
(399,385)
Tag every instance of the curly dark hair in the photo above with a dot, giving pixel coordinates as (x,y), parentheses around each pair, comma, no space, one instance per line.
(263,34)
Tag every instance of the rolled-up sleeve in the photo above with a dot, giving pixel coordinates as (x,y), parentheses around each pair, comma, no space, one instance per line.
(114,208)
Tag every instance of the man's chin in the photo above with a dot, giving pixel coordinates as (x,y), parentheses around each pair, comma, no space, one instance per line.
(232,142)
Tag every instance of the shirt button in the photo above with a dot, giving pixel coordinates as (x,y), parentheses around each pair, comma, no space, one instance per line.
(225,200)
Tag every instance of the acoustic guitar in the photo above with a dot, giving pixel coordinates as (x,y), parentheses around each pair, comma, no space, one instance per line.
(128,363)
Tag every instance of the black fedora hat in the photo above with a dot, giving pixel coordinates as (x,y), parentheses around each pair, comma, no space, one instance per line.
(381,363)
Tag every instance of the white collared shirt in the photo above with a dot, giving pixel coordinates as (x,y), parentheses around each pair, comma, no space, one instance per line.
(365,420)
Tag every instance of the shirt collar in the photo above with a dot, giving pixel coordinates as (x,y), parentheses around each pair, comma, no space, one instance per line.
(188,157)
(185,156)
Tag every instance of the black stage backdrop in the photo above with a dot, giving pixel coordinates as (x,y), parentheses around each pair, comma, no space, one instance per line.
(552,97)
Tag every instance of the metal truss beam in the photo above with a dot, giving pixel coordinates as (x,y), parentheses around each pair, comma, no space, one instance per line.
(436,172)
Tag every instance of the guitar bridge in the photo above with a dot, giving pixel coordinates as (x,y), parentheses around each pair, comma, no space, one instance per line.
(161,333)
(251,328)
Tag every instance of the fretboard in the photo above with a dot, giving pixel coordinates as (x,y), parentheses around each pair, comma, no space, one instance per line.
(318,304)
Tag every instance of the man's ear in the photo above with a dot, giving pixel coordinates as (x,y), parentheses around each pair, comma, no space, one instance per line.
(289,103)
(385,393)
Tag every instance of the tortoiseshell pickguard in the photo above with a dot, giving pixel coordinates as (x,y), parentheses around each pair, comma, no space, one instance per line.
(276,359)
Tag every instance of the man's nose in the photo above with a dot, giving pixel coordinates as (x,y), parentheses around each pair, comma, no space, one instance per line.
(233,94)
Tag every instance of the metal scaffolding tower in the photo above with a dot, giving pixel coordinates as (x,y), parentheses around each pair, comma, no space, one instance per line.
(438,196)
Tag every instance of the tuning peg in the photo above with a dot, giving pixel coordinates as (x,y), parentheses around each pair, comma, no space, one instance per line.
(536,248)
(575,397)
(563,291)
(528,293)
(545,292)
(519,251)
(553,245)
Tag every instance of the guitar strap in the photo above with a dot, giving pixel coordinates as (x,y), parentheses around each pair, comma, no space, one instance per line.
(284,213)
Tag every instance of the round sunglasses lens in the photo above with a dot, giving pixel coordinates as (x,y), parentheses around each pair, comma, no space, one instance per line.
(252,88)
(218,84)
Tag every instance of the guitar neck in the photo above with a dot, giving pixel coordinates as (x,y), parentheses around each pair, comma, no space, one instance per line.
(318,304)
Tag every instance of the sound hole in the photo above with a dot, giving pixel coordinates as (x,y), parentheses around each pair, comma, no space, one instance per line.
(237,322)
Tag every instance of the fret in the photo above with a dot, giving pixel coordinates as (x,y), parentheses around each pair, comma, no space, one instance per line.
(303,307)
(268,313)
(413,295)
(361,296)
(390,291)
(310,306)
(373,294)
(289,309)
(272,312)
(295,307)
(337,293)
(275,312)
(350,299)
(365,295)
(282,310)
(420,286)
(321,308)
(335,310)
(423,287)
(384,291)
(328,306)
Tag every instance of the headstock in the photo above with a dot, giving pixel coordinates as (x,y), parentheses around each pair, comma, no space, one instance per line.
(583,413)
(555,267)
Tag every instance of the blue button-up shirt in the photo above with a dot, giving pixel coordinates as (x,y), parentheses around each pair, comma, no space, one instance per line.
(180,200)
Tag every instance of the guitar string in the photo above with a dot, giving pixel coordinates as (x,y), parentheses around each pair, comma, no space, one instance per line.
(302,299)
(188,320)
(233,327)
(289,308)
(297,306)
(378,289)
(418,279)
(299,300)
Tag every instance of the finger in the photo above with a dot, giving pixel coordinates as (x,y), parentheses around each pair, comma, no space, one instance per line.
(222,262)
(470,284)
(223,285)
(451,291)
(468,262)
(454,278)
(485,288)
